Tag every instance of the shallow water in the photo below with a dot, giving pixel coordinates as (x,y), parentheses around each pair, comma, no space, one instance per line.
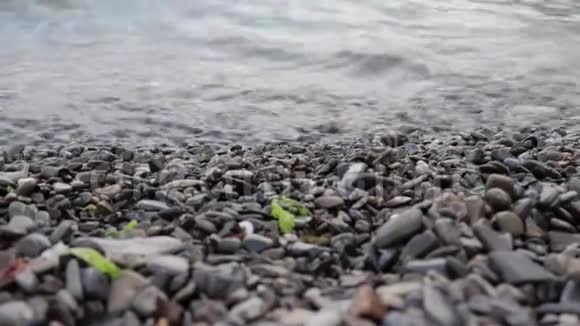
(173,71)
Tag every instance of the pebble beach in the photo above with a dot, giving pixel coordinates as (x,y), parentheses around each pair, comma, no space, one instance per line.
(403,228)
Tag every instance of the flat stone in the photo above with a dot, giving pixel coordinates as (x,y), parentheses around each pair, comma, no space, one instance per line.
(502,182)
(548,196)
(249,309)
(448,231)
(399,228)
(123,291)
(328,202)
(15,313)
(168,265)
(62,188)
(515,268)
(498,199)
(32,245)
(560,240)
(423,266)
(26,186)
(228,246)
(490,239)
(541,170)
(18,226)
(129,251)
(510,223)
(48,172)
(439,308)
(398,201)
(571,292)
(257,243)
(64,230)
(73,281)
(151,205)
(149,301)
(109,191)
(420,245)
(17,208)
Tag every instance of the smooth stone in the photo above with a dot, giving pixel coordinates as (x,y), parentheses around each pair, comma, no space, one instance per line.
(16,208)
(541,170)
(123,291)
(83,199)
(523,207)
(228,246)
(48,172)
(420,245)
(249,309)
(567,197)
(423,266)
(398,201)
(447,231)
(151,205)
(502,182)
(148,301)
(257,243)
(109,191)
(182,184)
(490,239)
(16,313)
(18,226)
(516,268)
(498,199)
(95,284)
(220,281)
(128,251)
(73,280)
(32,245)
(548,196)
(399,228)
(475,208)
(64,230)
(510,223)
(475,156)
(559,241)
(571,292)
(168,265)
(328,202)
(26,186)
(439,308)
(62,188)
(300,249)
(42,218)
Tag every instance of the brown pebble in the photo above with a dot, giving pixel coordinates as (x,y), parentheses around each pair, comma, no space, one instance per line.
(367,304)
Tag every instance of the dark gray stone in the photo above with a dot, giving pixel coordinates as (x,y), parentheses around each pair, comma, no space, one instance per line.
(440,309)
(502,182)
(32,245)
(420,245)
(515,268)
(149,301)
(560,240)
(95,284)
(498,199)
(448,231)
(510,223)
(399,228)
(328,202)
(490,239)
(257,243)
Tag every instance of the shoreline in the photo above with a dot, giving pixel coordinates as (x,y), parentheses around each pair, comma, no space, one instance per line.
(401,228)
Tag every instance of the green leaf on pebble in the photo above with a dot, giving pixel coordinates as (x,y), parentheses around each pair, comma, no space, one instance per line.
(97,261)
(90,208)
(286,210)
(9,189)
(131,225)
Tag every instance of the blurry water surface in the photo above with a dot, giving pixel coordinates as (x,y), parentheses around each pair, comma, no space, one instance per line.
(166,71)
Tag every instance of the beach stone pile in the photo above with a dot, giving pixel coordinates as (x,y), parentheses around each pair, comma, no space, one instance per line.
(405,228)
